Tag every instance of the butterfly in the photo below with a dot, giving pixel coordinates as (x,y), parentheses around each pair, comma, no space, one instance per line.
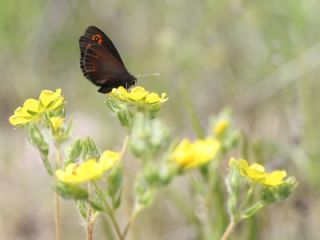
(101,63)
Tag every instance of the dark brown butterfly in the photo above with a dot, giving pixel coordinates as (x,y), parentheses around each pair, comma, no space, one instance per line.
(101,63)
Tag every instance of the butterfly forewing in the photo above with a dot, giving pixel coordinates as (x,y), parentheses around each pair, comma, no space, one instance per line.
(92,31)
(98,65)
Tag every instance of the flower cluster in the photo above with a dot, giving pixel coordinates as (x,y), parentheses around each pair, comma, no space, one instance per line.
(88,170)
(138,95)
(32,109)
(126,104)
(257,174)
(192,155)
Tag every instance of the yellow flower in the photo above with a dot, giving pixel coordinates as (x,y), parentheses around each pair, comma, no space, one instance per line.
(88,170)
(32,109)
(138,95)
(191,155)
(25,114)
(256,173)
(50,100)
(220,126)
(56,122)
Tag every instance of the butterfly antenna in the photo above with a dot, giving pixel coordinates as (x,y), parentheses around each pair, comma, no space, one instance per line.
(147,75)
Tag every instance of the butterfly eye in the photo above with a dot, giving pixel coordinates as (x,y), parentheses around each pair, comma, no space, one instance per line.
(97,38)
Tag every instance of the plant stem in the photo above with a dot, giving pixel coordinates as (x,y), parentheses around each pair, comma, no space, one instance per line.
(124,146)
(90,231)
(109,211)
(90,221)
(126,229)
(116,225)
(228,230)
(57,215)
(195,122)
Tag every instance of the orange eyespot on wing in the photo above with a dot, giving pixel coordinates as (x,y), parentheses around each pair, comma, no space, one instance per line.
(97,38)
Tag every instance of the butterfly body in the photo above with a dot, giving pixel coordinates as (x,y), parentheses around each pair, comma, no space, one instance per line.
(101,63)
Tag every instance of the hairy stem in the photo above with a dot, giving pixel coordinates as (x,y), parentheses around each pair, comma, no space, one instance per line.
(57,215)
(90,221)
(109,211)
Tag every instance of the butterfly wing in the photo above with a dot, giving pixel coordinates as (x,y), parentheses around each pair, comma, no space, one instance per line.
(101,63)
(92,32)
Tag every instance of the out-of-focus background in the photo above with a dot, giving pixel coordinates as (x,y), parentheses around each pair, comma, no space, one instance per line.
(260,58)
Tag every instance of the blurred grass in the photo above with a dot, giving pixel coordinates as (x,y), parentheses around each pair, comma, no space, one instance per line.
(259,57)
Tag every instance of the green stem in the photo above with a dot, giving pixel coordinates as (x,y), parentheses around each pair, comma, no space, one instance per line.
(195,122)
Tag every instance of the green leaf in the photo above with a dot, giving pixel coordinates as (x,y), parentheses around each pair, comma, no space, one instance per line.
(73,152)
(96,206)
(82,207)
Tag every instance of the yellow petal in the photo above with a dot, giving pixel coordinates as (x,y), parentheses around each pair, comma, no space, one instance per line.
(183,154)
(275,178)
(153,98)
(243,166)
(121,93)
(15,121)
(205,150)
(256,172)
(137,94)
(77,174)
(138,89)
(57,103)
(108,159)
(48,97)
(31,105)
(20,117)
(191,155)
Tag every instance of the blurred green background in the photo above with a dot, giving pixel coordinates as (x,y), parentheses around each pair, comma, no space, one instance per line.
(260,58)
